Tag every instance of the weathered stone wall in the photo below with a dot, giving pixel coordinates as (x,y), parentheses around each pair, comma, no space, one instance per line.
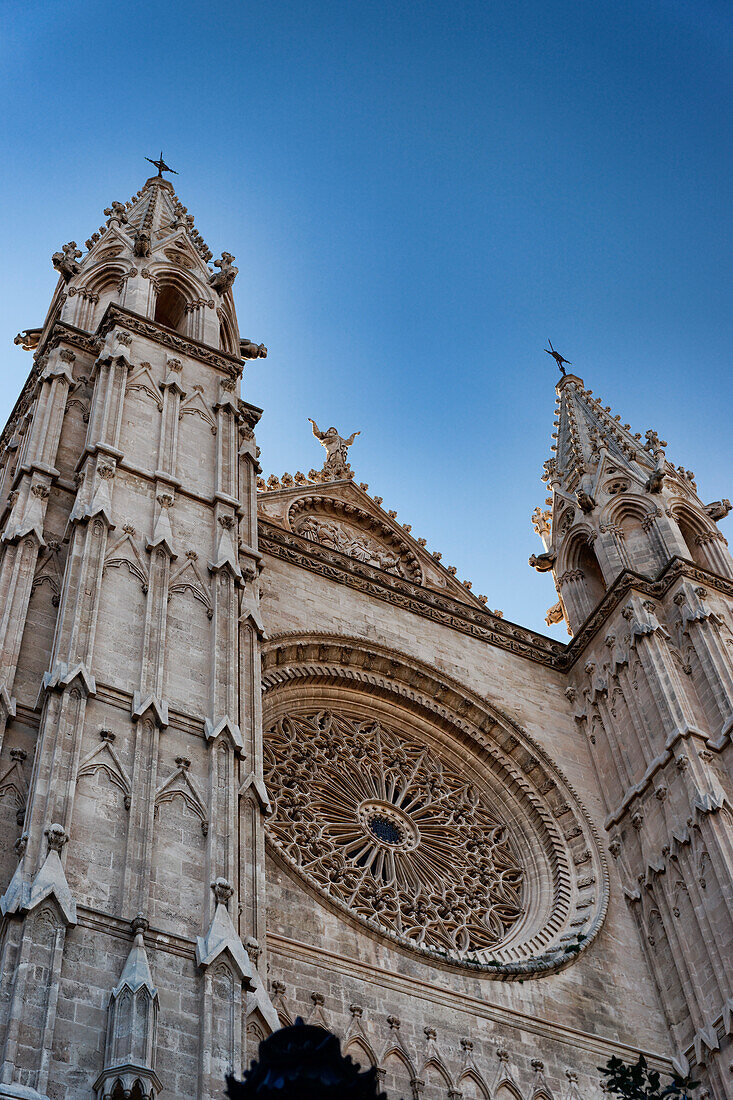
(570,1021)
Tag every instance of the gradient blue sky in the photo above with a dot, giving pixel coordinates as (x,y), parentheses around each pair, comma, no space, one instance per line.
(417,197)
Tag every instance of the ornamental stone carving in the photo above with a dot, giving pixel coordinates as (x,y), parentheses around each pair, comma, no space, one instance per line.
(391,830)
(422,812)
(337,537)
(340,525)
(65,261)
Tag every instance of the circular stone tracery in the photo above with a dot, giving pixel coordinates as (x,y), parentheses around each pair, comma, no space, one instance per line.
(385,822)
(388,828)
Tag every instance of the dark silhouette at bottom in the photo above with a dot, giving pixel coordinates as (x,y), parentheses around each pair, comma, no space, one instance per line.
(303,1062)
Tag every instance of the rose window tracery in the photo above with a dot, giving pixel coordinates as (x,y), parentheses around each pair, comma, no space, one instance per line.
(390,829)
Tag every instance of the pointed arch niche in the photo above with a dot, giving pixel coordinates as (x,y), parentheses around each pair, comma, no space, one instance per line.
(581,580)
(170,307)
(705,544)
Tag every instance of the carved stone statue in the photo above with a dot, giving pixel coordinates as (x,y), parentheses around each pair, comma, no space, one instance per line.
(655,446)
(224,278)
(248,350)
(337,461)
(543,563)
(586,503)
(65,260)
(333,536)
(555,614)
(29,338)
(142,243)
(718,509)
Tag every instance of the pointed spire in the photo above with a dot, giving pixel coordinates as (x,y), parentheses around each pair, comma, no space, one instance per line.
(132,1022)
(136,971)
(585,428)
(162,532)
(51,879)
(617,504)
(155,212)
(222,937)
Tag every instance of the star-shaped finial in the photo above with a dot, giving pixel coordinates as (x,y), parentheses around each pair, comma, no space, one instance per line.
(161,166)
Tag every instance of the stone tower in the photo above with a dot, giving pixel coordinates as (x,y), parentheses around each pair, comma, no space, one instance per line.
(262,754)
(130,665)
(644,577)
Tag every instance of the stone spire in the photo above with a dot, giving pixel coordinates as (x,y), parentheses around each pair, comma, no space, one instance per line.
(131,1028)
(149,258)
(616,504)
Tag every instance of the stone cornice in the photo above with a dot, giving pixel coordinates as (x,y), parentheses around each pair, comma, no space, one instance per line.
(445,609)
(438,606)
(231,365)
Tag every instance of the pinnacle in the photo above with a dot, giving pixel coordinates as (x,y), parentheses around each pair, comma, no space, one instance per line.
(156,206)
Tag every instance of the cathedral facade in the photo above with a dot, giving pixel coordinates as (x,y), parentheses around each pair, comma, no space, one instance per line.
(263,756)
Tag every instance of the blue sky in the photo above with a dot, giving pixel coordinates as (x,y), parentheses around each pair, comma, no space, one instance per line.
(417,197)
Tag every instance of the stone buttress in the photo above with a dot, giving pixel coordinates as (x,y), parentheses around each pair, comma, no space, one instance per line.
(130,673)
(644,578)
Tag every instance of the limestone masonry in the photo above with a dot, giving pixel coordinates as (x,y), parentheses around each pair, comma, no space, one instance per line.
(264,756)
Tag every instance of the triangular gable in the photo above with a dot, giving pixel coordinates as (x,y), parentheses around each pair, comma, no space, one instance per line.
(395,1045)
(49,571)
(280,1005)
(104,758)
(180,784)
(434,1060)
(351,505)
(222,938)
(143,381)
(504,1075)
(124,552)
(189,579)
(13,781)
(173,244)
(111,244)
(195,404)
(318,1015)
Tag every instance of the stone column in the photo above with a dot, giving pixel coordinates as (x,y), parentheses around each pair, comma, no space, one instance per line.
(22,535)
(32,954)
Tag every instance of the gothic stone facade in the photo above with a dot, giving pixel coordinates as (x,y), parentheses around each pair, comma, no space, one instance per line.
(263,755)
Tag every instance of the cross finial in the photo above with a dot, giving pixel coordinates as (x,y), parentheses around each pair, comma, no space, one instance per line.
(558,358)
(161,166)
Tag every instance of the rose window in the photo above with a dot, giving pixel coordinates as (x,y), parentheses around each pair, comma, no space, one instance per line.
(389,829)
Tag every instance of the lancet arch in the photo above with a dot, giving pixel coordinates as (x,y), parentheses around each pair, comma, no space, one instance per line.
(700,535)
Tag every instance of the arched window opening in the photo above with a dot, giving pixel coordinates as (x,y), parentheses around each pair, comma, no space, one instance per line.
(645,553)
(228,342)
(106,290)
(170,308)
(595,585)
(688,533)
